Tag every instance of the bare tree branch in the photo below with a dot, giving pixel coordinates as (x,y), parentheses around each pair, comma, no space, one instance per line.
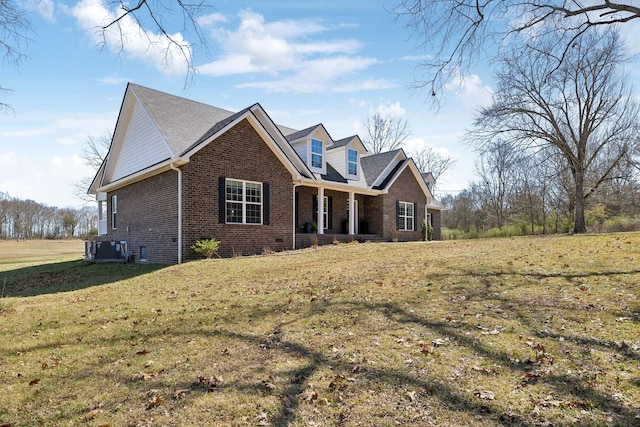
(454,34)
(385,133)
(582,109)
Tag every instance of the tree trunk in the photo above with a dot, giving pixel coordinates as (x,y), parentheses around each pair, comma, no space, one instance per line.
(579,224)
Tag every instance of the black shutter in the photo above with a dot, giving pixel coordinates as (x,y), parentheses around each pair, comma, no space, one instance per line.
(415,216)
(314,208)
(265,203)
(330,214)
(296,210)
(222,200)
(397,214)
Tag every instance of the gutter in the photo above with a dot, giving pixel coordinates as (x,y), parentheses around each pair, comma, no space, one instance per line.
(179,210)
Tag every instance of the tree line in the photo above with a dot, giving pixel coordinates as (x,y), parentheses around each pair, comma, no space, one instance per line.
(27,219)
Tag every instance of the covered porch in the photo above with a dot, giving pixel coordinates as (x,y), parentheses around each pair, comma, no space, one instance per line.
(325,214)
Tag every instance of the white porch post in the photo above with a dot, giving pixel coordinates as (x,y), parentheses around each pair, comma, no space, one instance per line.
(352,212)
(320,210)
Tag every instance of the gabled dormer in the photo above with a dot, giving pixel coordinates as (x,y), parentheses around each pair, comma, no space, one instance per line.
(344,155)
(311,145)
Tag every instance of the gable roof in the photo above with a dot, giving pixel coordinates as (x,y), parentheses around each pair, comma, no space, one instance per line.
(156,131)
(181,121)
(375,164)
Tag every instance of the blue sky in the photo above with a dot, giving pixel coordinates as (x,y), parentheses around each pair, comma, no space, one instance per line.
(304,62)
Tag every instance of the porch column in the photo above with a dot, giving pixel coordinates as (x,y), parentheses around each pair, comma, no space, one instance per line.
(352,213)
(320,210)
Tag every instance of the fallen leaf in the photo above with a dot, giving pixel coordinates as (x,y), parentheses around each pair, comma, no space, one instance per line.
(142,352)
(485,394)
(309,395)
(34,382)
(180,393)
(411,395)
(154,401)
(142,376)
(91,414)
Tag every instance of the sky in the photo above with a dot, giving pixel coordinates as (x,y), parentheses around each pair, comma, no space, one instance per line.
(304,62)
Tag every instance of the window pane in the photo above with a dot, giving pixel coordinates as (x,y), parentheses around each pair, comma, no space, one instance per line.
(353,156)
(234,190)
(353,169)
(409,209)
(316,161)
(316,146)
(253,192)
(402,207)
(254,214)
(409,223)
(234,212)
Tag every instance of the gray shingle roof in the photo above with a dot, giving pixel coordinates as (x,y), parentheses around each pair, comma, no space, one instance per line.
(375,164)
(181,121)
(299,134)
(341,143)
(333,175)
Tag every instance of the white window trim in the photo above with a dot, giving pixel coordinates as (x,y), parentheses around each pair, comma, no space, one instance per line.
(323,167)
(244,202)
(352,175)
(404,218)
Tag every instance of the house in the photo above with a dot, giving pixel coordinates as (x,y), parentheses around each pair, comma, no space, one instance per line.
(179,170)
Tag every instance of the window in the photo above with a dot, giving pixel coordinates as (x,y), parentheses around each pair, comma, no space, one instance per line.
(102,211)
(114,211)
(316,153)
(352,162)
(325,216)
(405,216)
(243,202)
(143,253)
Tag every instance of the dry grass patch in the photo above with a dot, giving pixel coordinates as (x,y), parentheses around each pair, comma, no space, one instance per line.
(527,332)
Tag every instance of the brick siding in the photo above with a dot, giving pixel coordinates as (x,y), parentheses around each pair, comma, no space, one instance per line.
(148,216)
(238,154)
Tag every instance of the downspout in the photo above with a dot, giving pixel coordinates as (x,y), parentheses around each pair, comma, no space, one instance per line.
(293,221)
(179,211)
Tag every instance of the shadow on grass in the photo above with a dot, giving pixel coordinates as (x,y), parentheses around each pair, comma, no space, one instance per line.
(67,276)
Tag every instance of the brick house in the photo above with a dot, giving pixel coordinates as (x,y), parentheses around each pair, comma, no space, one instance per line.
(179,170)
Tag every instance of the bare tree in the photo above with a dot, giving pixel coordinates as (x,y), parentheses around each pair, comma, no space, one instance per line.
(497,169)
(455,33)
(385,133)
(93,155)
(427,159)
(14,30)
(582,108)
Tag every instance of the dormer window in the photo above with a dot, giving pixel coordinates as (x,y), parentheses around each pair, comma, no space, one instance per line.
(352,162)
(316,153)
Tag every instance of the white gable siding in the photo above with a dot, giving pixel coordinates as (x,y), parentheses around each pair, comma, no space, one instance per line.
(302,149)
(142,144)
(337,159)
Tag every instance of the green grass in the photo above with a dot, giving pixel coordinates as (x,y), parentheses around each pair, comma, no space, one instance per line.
(523,332)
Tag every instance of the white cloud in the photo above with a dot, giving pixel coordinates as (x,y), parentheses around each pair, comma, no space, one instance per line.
(285,50)
(170,54)
(210,19)
(391,110)
(49,181)
(67,129)
(470,90)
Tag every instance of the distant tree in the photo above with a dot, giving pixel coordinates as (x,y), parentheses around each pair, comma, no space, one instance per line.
(455,34)
(427,159)
(497,169)
(385,133)
(582,108)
